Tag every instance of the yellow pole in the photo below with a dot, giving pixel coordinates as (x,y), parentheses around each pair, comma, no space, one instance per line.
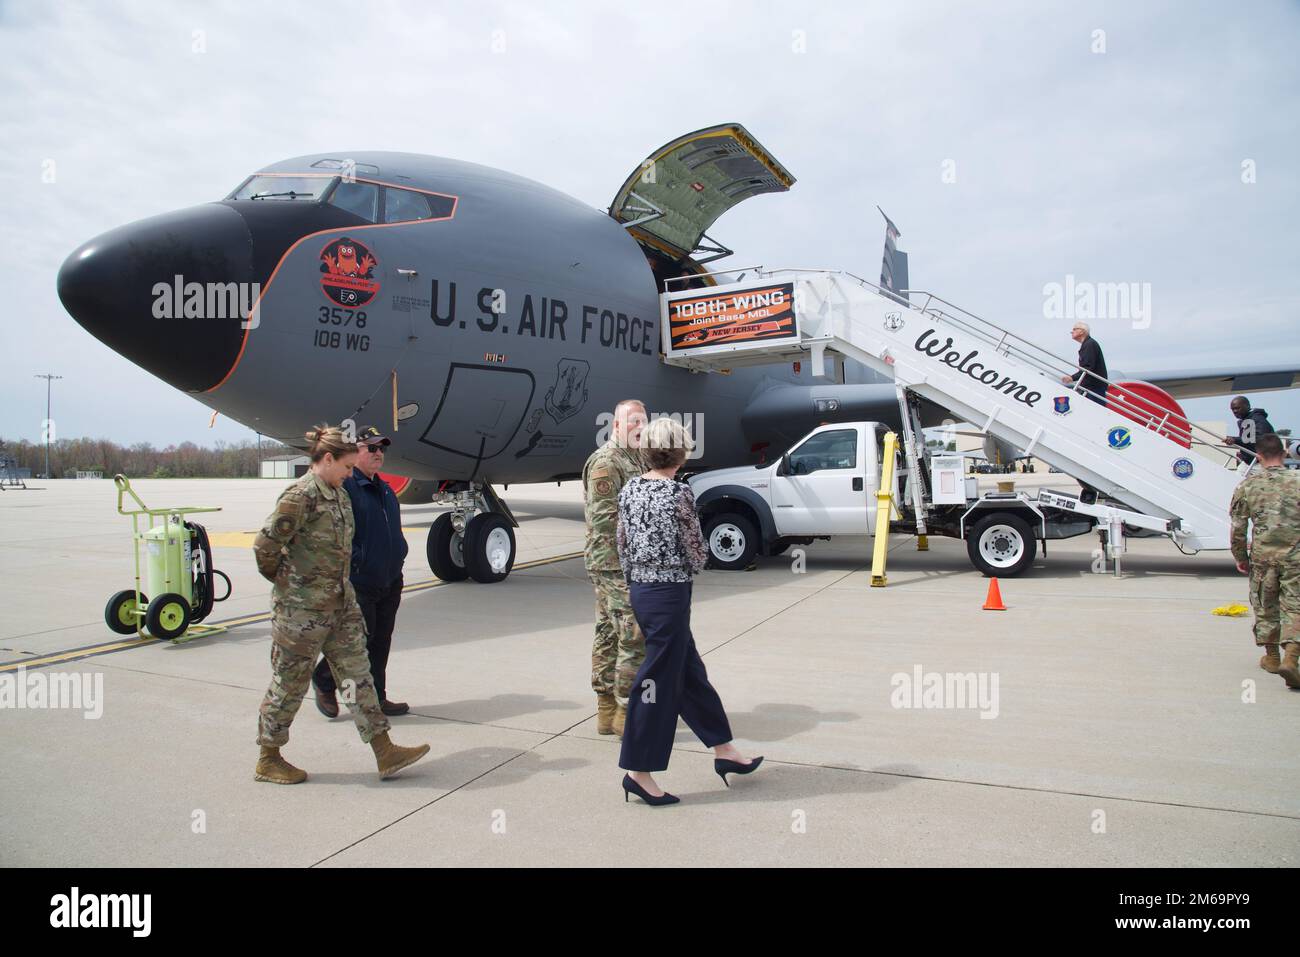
(884,508)
(394,400)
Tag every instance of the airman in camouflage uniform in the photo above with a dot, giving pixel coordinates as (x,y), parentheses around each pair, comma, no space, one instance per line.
(619,646)
(305,549)
(1270,502)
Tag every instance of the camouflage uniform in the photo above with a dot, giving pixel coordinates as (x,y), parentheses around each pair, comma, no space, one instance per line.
(1270,500)
(305,548)
(619,648)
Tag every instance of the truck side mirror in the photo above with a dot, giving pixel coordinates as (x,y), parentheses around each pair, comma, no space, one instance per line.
(784,467)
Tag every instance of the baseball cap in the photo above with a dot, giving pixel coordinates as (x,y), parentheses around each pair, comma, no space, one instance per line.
(371,435)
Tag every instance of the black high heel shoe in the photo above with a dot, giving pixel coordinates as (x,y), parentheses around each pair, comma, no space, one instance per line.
(631,787)
(723,767)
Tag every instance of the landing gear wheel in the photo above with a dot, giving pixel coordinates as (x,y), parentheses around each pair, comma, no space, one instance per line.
(1001,545)
(168,616)
(446,550)
(732,541)
(489,547)
(119,613)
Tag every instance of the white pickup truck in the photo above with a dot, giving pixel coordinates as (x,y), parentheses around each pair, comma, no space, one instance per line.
(826,485)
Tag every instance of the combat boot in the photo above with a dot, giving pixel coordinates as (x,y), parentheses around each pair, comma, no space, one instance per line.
(275,769)
(391,758)
(1290,667)
(1271,660)
(606,705)
(620,715)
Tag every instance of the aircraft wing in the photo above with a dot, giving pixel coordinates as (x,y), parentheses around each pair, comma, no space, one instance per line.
(1237,380)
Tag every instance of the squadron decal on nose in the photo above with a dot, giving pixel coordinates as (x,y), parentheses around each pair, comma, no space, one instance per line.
(348,273)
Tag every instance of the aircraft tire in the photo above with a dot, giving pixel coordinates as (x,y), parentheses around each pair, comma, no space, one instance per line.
(447,564)
(489,547)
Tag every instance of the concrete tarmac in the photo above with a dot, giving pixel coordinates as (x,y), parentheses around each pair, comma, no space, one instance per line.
(1120,722)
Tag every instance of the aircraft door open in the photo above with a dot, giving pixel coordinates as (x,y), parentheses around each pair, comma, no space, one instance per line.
(681,189)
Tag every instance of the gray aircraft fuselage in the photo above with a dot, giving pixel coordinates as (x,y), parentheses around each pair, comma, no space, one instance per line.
(512,318)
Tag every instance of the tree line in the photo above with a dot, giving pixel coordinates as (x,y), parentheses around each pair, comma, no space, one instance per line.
(143,460)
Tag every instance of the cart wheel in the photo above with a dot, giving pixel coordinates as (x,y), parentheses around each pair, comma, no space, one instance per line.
(168,616)
(120,612)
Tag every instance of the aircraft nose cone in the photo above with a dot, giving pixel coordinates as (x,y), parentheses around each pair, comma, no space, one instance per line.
(170,293)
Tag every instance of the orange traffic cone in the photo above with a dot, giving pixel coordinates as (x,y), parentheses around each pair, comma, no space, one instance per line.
(994,600)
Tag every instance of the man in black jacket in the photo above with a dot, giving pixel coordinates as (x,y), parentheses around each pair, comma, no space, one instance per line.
(378,550)
(1251,424)
(1092,365)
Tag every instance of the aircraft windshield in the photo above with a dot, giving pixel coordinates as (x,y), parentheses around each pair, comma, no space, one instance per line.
(285,188)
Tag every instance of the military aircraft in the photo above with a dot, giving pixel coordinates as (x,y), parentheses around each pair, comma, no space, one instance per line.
(489,322)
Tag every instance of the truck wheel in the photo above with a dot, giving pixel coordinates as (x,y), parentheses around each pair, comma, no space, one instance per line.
(732,541)
(445,550)
(1001,545)
(119,613)
(168,616)
(489,547)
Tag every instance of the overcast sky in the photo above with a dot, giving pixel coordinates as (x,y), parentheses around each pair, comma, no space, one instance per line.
(1007,149)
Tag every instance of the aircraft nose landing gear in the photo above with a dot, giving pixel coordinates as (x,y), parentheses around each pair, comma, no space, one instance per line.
(489,547)
(475,539)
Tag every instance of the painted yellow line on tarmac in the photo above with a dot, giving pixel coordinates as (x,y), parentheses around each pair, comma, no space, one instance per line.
(75,654)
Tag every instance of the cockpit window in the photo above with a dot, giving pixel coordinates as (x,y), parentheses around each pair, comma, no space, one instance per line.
(441,206)
(404,205)
(372,202)
(284,188)
(359,198)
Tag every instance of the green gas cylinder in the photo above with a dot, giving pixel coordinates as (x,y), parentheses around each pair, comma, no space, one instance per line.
(167,559)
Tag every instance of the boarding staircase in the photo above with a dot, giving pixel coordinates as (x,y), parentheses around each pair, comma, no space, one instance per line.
(1131,449)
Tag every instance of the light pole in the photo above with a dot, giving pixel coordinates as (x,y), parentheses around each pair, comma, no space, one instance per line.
(48,382)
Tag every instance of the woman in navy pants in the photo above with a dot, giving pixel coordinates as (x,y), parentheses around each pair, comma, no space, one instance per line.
(660,547)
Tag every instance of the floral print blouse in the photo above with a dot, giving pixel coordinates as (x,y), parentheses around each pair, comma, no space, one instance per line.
(659,537)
